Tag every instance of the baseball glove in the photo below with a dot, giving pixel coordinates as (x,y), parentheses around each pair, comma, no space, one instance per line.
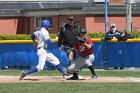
(80,39)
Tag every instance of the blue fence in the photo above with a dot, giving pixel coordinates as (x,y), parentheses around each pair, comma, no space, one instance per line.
(115,54)
(124,54)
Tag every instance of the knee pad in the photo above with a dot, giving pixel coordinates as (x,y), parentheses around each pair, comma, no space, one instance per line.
(70,71)
(88,63)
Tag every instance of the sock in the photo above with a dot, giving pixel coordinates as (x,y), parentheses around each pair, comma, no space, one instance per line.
(92,70)
(59,67)
(31,71)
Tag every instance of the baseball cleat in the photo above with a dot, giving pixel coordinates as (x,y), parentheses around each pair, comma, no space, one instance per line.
(73,78)
(22,76)
(93,77)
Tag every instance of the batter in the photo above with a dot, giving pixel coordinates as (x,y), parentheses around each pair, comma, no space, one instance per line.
(43,41)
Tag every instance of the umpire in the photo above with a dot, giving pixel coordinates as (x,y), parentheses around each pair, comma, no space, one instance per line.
(67,35)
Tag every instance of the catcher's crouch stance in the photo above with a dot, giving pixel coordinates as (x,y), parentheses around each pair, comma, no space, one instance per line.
(84,46)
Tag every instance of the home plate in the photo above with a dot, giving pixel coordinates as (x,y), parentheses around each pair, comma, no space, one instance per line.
(81,78)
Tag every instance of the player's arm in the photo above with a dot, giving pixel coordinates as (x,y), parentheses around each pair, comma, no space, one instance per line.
(71,54)
(47,38)
(89,44)
(33,36)
(60,38)
(48,41)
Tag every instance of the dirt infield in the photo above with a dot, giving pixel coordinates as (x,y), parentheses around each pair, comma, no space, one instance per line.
(14,79)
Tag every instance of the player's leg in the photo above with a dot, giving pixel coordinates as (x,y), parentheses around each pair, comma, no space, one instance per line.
(71,70)
(75,65)
(88,62)
(68,50)
(55,61)
(40,66)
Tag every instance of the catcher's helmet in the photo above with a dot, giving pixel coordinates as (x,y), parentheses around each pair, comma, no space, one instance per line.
(83,31)
(45,23)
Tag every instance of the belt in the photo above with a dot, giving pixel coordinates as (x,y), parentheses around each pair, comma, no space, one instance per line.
(41,47)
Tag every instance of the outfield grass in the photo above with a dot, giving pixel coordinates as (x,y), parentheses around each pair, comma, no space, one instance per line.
(72,87)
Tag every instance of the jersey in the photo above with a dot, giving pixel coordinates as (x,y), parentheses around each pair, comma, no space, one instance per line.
(42,35)
(83,51)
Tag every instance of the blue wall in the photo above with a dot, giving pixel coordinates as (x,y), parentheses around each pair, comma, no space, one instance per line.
(116,54)
(124,53)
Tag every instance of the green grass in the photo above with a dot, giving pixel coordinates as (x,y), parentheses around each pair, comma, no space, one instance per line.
(104,73)
(72,87)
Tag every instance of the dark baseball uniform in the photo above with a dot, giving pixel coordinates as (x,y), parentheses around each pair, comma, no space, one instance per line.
(86,56)
(82,49)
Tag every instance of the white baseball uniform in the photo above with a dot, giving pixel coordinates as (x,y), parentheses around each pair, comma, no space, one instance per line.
(43,55)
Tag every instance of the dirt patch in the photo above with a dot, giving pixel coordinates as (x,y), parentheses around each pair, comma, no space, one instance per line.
(14,79)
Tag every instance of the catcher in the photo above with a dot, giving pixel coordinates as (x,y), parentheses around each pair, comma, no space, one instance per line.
(84,47)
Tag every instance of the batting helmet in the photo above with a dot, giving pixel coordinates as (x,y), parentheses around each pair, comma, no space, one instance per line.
(45,23)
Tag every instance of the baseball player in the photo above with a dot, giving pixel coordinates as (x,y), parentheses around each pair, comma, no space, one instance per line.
(84,46)
(43,40)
